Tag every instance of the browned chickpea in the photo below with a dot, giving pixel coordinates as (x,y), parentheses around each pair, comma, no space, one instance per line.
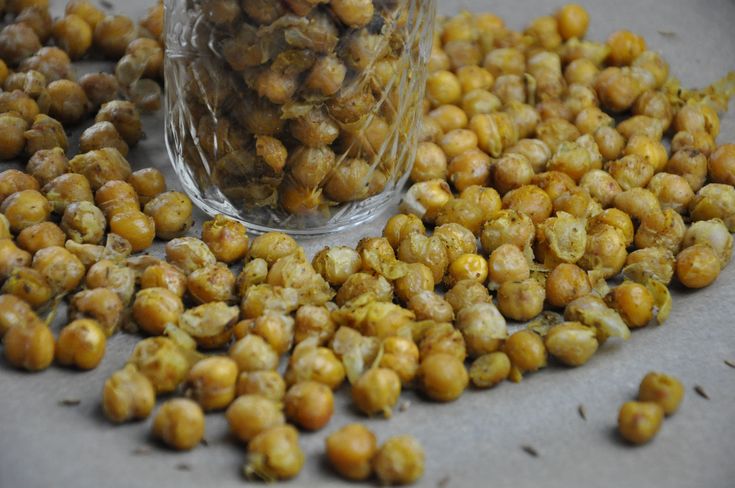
(350,451)
(697,266)
(633,302)
(462,212)
(100,135)
(37,18)
(29,285)
(571,343)
(13,180)
(164,275)
(125,117)
(47,164)
(81,344)
(211,382)
(442,377)
(18,42)
(639,422)
(45,133)
(315,364)
(69,103)
(100,88)
(417,248)
(136,227)
(625,46)
(62,270)
(314,322)
(14,311)
(12,257)
(430,163)
(52,62)
(155,308)
(66,189)
(214,283)
(84,223)
(25,208)
(695,118)
(127,395)
(73,34)
(610,142)
(84,9)
(116,277)
(507,227)
(116,196)
(521,300)
(30,347)
(113,34)
(699,140)
(309,405)
(526,352)
(566,283)
(715,234)
(148,183)
(101,166)
(601,186)
(171,213)
(662,389)
(162,361)
(12,141)
(267,383)
(573,21)
(529,200)
(721,165)
(40,236)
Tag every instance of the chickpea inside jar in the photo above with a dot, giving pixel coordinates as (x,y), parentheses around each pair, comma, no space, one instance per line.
(306,118)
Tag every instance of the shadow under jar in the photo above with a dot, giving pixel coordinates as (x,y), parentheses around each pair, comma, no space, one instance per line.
(295,115)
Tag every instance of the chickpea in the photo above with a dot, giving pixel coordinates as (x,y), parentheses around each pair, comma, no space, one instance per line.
(12,142)
(625,46)
(210,324)
(161,361)
(471,167)
(260,298)
(100,88)
(14,311)
(267,383)
(46,164)
(62,270)
(100,304)
(116,277)
(639,422)
(127,395)
(69,103)
(699,140)
(84,9)
(37,18)
(566,283)
(417,248)
(29,285)
(667,232)
(601,186)
(521,300)
(84,223)
(164,275)
(399,461)
(467,266)
(172,214)
(697,266)
(721,165)
(610,142)
(315,364)
(714,200)
(656,262)
(189,254)
(633,302)
(713,233)
(376,391)
(314,321)
(489,369)
(350,451)
(662,389)
(81,344)
(73,34)
(52,62)
(507,227)
(482,327)
(443,88)
(309,405)
(12,257)
(430,163)
(18,42)
(253,353)
(464,213)
(112,35)
(425,199)
(571,343)
(327,75)
(526,352)
(101,166)
(179,423)
(25,208)
(155,308)
(640,204)
(101,135)
(696,118)
(275,454)
(214,283)
(148,183)
(249,415)
(116,197)
(13,180)
(442,377)
(474,78)
(449,117)
(211,382)
(529,200)
(30,347)
(125,117)
(40,236)
(136,227)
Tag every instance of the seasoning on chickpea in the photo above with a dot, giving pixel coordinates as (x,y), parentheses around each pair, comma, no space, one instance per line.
(127,395)
(179,423)
(275,454)
(399,461)
(309,405)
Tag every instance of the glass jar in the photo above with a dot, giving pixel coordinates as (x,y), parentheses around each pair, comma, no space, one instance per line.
(295,115)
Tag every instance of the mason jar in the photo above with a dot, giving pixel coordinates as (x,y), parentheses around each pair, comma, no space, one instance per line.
(295,115)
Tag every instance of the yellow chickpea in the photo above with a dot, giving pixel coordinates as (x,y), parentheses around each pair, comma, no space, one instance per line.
(155,308)
(639,422)
(442,377)
(526,352)
(662,389)
(566,283)
(633,302)
(211,382)
(73,34)
(625,46)
(350,451)
(127,395)
(179,423)
(697,266)
(443,88)
(30,347)
(309,405)
(467,267)
(249,415)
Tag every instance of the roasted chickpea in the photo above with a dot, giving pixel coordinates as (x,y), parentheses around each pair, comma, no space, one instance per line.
(417,248)
(81,344)
(275,454)
(442,377)
(40,236)
(112,35)
(13,180)
(68,102)
(249,415)
(47,164)
(164,275)
(529,200)
(127,395)
(253,353)
(30,347)
(117,277)
(566,283)
(148,183)
(467,266)
(12,129)
(215,283)
(697,266)
(100,135)
(474,78)
(507,227)
(489,369)
(14,311)
(25,208)
(521,300)
(84,9)
(171,213)
(713,233)
(62,270)
(179,423)
(426,198)
(18,42)
(52,62)
(314,321)
(100,304)
(267,383)
(309,405)
(430,163)
(136,227)
(189,254)
(100,88)
(125,117)
(29,285)
(83,223)
(211,382)
(350,451)
(73,34)
(639,422)
(317,364)
(662,389)
(721,165)
(155,308)
(101,166)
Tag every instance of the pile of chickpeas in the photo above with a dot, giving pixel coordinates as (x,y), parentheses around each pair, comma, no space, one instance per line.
(524,188)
